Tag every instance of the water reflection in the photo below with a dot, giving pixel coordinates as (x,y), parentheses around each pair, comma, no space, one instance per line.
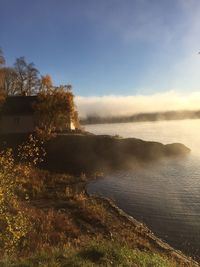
(166,195)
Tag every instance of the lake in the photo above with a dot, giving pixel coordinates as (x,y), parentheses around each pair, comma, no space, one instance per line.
(164,195)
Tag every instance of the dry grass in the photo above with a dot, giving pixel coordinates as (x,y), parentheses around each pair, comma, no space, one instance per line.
(52,228)
(63,216)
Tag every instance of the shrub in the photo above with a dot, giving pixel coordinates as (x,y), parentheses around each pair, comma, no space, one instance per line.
(13,221)
(32,151)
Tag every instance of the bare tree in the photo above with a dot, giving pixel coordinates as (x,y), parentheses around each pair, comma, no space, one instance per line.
(21,70)
(8,81)
(2,58)
(2,92)
(33,81)
(27,77)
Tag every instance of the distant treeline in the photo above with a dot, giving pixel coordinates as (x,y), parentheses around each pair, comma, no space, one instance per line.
(141,117)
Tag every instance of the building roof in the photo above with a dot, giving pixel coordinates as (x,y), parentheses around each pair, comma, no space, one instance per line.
(19,105)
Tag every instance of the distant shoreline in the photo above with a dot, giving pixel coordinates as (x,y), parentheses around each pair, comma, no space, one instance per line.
(142,117)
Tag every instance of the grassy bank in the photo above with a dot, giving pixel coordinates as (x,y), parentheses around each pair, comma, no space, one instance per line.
(70,228)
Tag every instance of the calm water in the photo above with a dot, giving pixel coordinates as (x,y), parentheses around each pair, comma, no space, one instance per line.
(165,195)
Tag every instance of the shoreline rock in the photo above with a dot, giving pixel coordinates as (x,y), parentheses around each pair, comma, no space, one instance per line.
(78,153)
(93,153)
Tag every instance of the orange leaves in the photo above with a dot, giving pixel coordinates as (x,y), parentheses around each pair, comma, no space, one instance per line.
(46,83)
(55,109)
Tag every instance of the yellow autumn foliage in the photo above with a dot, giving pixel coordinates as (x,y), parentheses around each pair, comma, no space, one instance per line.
(14,222)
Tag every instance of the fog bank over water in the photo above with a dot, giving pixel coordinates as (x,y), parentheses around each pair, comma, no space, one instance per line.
(116,105)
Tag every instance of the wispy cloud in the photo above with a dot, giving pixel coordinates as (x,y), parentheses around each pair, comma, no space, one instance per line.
(132,21)
(171,28)
(127,105)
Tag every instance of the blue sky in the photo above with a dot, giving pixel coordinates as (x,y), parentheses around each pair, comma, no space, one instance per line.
(107,47)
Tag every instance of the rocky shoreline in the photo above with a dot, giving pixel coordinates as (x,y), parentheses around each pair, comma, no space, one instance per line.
(88,153)
(157,243)
(101,153)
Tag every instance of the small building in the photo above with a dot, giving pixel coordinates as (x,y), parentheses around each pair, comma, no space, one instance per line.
(18,115)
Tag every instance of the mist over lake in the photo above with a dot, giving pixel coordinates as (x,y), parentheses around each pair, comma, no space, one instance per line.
(164,195)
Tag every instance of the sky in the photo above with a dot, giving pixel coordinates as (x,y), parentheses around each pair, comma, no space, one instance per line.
(108,48)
